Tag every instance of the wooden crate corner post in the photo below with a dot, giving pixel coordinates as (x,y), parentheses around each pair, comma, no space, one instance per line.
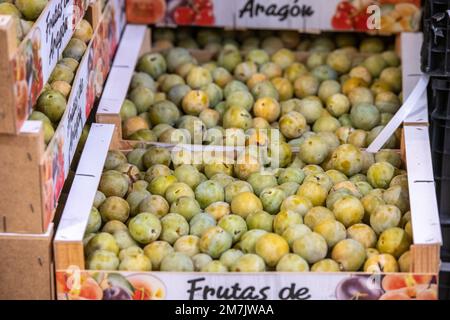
(94,14)
(425,258)
(21,190)
(147,43)
(8,43)
(117,122)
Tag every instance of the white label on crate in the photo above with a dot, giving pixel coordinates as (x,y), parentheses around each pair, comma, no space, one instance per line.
(41,49)
(224,12)
(246,286)
(283,14)
(77,112)
(89,80)
(57,27)
(251,286)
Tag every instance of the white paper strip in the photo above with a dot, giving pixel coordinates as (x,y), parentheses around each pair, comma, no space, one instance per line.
(128,51)
(422,194)
(400,116)
(418,153)
(424,213)
(419,115)
(79,203)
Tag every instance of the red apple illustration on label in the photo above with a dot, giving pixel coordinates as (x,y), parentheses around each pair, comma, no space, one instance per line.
(346,6)
(183,15)
(360,21)
(202,4)
(204,17)
(155,10)
(342,21)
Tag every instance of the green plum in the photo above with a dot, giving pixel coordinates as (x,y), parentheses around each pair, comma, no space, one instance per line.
(177,261)
(349,254)
(235,225)
(145,228)
(215,241)
(311,246)
(292,263)
(173,226)
(200,223)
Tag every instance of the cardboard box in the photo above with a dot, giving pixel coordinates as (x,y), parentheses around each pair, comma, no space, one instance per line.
(26,268)
(32,171)
(70,262)
(380,16)
(26,67)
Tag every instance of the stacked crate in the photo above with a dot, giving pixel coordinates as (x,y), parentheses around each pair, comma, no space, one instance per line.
(32,172)
(436,63)
(26,226)
(69,247)
(440,139)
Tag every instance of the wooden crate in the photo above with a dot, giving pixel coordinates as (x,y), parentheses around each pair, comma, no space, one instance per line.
(137,40)
(23,71)
(27,269)
(32,173)
(70,261)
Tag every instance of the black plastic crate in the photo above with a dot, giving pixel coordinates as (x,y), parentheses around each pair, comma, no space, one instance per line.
(443,200)
(445,249)
(440,135)
(439,118)
(439,98)
(436,45)
(441,165)
(444,285)
(431,7)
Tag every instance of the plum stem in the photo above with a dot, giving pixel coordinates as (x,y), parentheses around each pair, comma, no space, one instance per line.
(380,266)
(358,295)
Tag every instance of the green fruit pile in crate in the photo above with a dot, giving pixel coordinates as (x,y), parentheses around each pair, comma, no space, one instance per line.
(52,102)
(339,93)
(24,13)
(214,40)
(153,212)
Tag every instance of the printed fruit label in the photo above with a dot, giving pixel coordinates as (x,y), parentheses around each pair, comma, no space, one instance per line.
(181,12)
(73,284)
(87,86)
(361,15)
(383,16)
(285,14)
(39,52)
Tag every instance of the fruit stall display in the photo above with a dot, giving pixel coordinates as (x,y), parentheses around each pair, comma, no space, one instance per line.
(386,16)
(44,148)
(229,161)
(152,227)
(32,34)
(346,90)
